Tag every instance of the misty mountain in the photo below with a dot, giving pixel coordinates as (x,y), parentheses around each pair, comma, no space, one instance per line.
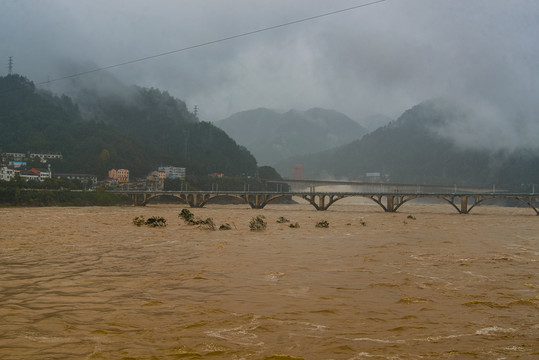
(374,122)
(417,149)
(138,129)
(272,136)
(135,109)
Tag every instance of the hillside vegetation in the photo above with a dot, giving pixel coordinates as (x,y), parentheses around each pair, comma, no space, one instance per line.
(135,128)
(414,149)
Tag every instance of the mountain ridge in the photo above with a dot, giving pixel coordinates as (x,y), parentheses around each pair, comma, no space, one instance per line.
(272,136)
(414,149)
(159,130)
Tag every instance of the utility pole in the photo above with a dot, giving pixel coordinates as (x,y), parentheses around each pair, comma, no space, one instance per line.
(195,111)
(10,65)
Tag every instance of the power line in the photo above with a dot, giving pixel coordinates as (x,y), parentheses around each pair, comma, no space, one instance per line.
(212,42)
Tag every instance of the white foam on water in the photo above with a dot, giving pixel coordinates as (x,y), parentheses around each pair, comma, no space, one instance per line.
(298,291)
(440,337)
(492,330)
(363,355)
(48,339)
(241,335)
(514,348)
(381,341)
(274,276)
(314,327)
(238,335)
(477,275)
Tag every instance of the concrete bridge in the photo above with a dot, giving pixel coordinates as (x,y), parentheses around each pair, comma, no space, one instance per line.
(388,201)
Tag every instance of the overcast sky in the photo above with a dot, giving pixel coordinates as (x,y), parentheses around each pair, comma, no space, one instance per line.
(377,59)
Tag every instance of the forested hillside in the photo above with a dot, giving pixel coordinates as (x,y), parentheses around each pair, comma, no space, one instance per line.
(138,130)
(413,149)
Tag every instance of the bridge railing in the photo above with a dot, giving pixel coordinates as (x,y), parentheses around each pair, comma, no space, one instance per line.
(463,202)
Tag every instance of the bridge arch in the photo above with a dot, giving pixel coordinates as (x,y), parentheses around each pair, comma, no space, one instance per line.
(259,201)
(389,202)
(392,202)
(322,201)
(530,200)
(156,196)
(199,199)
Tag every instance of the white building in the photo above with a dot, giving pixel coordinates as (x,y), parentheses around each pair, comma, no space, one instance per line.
(46,156)
(42,173)
(43,156)
(13,156)
(173,172)
(6,173)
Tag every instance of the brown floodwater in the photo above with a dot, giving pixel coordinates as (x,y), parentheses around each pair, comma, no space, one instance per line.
(422,283)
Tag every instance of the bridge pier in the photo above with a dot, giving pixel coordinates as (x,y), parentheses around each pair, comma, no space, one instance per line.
(463,204)
(530,200)
(393,202)
(389,202)
(196,200)
(259,201)
(319,200)
(139,199)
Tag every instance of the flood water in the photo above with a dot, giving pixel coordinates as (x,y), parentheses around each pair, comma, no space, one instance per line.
(422,283)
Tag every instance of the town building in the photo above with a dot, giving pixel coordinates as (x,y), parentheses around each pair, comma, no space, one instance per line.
(42,174)
(17,164)
(173,172)
(29,175)
(83,178)
(155,181)
(121,175)
(43,157)
(6,173)
(11,156)
(299,173)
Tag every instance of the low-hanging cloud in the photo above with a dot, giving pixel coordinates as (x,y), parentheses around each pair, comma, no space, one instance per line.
(379,59)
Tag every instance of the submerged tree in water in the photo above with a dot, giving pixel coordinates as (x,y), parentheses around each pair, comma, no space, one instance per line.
(257,223)
(154,221)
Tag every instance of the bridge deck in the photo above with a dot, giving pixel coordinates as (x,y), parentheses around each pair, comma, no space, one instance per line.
(463,202)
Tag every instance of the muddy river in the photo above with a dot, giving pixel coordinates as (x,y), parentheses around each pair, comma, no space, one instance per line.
(422,283)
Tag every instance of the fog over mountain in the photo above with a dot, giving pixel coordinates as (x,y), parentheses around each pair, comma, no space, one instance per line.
(381,58)
(417,149)
(272,136)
